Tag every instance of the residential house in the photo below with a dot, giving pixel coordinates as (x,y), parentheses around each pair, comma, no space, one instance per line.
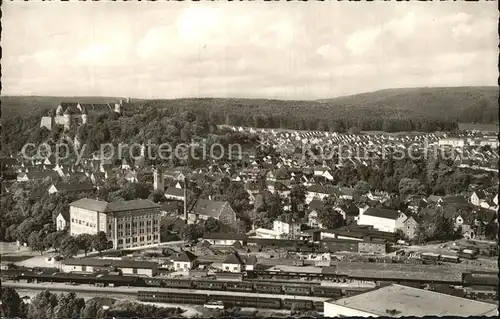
(184,261)
(174,193)
(323,172)
(205,208)
(410,227)
(37,175)
(312,217)
(345,193)
(286,226)
(251,263)
(70,188)
(233,263)
(62,221)
(225,239)
(318,191)
(349,213)
(383,219)
(478,197)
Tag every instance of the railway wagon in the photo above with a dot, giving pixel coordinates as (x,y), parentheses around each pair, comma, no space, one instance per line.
(450,259)
(319,306)
(297,304)
(239,286)
(243,301)
(480,279)
(269,288)
(296,289)
(211,285)
(172,297)
(177,283)
(324,291)
(153,282)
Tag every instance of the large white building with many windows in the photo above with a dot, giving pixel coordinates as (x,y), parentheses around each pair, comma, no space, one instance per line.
(128,224)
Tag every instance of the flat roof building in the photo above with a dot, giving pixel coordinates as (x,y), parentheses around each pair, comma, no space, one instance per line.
(401,301)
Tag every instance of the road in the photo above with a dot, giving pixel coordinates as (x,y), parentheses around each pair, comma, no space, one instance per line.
(100,291)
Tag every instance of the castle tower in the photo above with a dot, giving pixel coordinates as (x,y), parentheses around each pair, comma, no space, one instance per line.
(67,119)
(128,100)
(84,116)
(158,183)
(119,107)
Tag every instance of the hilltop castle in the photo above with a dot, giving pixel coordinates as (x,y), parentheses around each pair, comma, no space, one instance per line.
(69,114)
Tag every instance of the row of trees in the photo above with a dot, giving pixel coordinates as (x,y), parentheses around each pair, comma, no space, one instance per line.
(48,305)
(65,244)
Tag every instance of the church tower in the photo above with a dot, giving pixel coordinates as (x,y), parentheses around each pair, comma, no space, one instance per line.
(158,183)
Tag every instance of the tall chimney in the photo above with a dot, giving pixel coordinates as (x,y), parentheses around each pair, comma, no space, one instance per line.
(185,200)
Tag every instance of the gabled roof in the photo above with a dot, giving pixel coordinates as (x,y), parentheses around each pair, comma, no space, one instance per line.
(73,187)
(209,208)
(382,213)
(185,256)
(173,191)
(234,259)
(316,204)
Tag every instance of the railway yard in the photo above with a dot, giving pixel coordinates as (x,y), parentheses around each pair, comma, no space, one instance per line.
(278,283)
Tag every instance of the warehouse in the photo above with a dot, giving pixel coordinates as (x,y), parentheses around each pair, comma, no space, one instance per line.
(402,301)
(126,267)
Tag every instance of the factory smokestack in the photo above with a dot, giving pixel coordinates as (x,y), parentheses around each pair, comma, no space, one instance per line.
(185,199)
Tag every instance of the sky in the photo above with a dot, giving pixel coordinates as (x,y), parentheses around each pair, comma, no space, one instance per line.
(284,50)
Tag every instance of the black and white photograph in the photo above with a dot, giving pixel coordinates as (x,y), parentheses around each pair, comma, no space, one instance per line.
(249,159)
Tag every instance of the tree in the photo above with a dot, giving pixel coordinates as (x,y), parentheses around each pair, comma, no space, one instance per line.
(100,241)
(192,232)
(411,186)
(69,247)
(68,306)
(84,242)
(329,218)
(42,305)
(12,305)
(35,241)
(53,240)
(361,188)
(93,309)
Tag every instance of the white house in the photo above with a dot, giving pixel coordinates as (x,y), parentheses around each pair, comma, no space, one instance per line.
(286,226)
(324,172)
(62,221)
(477,197)
(185,261)
(382,219)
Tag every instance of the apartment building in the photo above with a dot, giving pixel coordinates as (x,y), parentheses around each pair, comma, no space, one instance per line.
(128,224)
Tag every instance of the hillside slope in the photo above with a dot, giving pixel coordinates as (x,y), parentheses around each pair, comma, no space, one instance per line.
(31,105)
(463,104)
